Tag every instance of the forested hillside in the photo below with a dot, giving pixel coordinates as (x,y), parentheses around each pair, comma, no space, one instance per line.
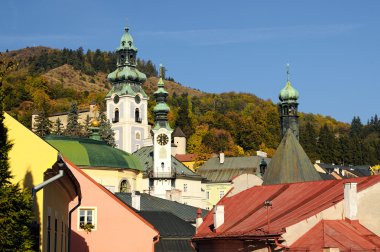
(236,123)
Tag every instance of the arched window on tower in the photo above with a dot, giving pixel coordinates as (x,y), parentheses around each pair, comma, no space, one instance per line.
(137,116)
(116,116)
(125,186)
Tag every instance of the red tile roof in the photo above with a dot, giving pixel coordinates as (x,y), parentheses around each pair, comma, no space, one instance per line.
(245,214)
(186,157)
(343,234)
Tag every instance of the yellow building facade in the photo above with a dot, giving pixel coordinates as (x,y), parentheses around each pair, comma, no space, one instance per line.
(214,192)
(33,161)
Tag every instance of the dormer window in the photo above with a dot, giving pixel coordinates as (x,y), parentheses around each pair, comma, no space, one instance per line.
(123,43)
(130,43)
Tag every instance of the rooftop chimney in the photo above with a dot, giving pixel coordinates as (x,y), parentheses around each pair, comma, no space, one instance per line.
(221,158)
(199,219)
(351,201)
(136,200)
(218,216)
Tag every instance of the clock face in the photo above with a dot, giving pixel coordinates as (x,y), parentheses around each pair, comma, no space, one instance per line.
(116,99)
(162,139)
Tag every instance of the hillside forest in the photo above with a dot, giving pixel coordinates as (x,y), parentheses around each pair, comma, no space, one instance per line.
(51,80)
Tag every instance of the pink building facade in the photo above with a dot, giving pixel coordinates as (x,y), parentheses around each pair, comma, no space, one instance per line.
(103,223)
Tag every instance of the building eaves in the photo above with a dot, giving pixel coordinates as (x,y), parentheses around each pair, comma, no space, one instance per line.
(246,216)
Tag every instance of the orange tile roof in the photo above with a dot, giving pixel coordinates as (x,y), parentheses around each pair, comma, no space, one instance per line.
(343,234)
(186,157)
(245,214)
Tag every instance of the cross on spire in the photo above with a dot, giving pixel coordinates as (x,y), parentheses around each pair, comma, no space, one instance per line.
(162,71)
(287,71)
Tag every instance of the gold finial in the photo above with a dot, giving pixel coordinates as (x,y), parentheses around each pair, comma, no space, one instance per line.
(95,122)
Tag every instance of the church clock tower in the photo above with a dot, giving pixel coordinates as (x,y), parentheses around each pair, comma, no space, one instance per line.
(163,176)
(288,107)
(127,103)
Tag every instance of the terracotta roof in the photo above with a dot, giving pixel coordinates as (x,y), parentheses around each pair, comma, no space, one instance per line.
(186,157)
(343,234)
(178,133)
(290,163)
(245,214)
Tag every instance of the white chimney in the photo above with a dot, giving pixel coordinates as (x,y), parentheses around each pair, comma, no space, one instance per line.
(199,219)
(136,201)
(351,201)
(221,158)
(218,216)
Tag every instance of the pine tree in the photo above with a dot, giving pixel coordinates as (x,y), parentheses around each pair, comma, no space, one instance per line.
(58,127)
(105,131)
(15,204)
(73,127)
(86,127)
(42,124)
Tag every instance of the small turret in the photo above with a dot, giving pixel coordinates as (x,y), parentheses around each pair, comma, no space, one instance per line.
(288,107)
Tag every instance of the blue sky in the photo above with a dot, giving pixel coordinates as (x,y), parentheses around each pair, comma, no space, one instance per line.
(333,46)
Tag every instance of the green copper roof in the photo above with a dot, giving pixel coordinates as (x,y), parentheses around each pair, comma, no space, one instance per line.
(126,41)
(290,164)
(127,73)
(145,155)
(85,152)
(214,171)
(126,89)
(288,93)
(161,107)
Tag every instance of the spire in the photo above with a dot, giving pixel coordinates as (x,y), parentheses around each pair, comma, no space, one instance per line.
(289,107)
(287,72)
(290,163)
(161,109)
(126,71)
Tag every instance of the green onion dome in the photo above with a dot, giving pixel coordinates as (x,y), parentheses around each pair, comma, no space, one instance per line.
(126,41)
(288,93)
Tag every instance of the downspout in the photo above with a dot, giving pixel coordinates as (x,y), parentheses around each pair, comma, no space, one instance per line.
(156,239)
(69,228)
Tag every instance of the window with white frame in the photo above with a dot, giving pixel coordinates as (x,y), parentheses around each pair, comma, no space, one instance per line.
(87,218)
(184,187)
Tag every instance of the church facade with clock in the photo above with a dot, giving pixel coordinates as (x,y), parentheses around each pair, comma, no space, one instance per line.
(127,109)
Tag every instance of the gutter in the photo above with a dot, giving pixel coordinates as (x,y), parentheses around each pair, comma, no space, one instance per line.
(69,227)
(45,183)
